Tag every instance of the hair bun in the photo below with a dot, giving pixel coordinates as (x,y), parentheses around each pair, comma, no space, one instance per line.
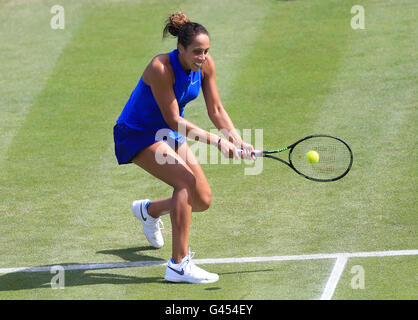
(174,23)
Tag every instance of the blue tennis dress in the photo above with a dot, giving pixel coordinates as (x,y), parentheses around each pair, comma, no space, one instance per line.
(141,118)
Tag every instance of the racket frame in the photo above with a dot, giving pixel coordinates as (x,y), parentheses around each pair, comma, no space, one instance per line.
(268,154)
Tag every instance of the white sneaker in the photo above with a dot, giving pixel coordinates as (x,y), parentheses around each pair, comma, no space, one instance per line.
(150,225)
(187,271)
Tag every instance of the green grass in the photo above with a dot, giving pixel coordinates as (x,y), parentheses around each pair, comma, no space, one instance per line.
(245,281)
(291,68)
(401,270)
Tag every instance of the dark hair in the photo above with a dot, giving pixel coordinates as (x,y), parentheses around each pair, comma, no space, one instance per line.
(178,25)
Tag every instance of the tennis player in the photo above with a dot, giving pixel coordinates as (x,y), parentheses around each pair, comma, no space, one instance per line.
(169,82)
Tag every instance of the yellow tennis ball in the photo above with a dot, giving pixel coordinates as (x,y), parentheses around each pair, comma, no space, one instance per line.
(312,157)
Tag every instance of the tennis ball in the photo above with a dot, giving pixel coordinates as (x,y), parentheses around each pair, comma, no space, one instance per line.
(312,157)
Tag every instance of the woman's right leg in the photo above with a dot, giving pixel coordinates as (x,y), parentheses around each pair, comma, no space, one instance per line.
(177,174)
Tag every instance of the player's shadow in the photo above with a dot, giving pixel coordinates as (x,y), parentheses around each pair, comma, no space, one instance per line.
(24,280)
(73,278)
(249,271)
(131,254)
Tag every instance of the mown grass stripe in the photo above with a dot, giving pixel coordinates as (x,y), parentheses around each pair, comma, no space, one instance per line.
(49,171)
(371,104)
(30,49)
(60,170)
(64,199)
(283,80)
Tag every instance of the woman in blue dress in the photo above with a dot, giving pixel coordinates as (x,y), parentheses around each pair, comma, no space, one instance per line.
(149,131)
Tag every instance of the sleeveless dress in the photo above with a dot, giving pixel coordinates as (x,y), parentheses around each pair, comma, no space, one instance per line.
(141,122)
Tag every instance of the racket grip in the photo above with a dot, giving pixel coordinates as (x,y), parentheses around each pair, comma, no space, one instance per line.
(257,153)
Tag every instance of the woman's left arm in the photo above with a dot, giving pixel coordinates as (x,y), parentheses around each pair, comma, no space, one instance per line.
(216,111)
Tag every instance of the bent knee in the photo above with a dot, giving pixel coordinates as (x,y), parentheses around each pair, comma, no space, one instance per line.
(202,201)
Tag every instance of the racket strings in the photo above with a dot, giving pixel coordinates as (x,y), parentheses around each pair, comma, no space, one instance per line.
(335,158)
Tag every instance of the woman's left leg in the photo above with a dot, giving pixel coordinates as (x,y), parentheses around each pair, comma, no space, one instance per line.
(202,195)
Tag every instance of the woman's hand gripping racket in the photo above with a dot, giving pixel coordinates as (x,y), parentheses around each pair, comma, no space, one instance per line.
(318,157)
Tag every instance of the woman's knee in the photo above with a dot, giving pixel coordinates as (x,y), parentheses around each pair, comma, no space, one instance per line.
(202,200)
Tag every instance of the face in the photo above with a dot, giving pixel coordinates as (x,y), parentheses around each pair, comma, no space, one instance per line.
(193,57)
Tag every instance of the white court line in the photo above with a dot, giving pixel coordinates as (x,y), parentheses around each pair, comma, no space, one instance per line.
(328,292)
(319,256)
(334,278)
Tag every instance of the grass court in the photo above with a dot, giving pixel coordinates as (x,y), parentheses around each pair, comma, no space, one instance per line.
(289,68)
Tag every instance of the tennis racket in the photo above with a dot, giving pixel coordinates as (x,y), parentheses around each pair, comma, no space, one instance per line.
(335,157)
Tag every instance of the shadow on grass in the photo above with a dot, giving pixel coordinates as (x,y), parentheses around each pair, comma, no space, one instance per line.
(84,276)
(73,278)
(131,254)
(251,271)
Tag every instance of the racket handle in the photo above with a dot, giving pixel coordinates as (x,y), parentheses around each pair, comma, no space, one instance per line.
(257,153)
